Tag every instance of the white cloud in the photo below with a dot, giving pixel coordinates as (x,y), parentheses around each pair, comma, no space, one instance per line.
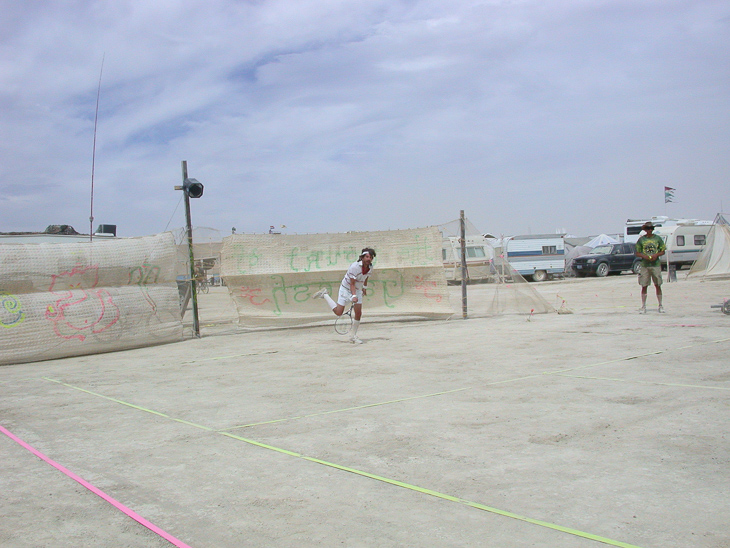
(525,114)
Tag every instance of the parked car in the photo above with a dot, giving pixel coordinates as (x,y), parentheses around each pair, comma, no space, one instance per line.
(608,259)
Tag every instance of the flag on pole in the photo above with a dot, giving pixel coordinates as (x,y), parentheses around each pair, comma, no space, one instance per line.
(668,194)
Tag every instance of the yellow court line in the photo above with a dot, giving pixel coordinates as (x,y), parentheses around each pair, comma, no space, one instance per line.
(617,360)
(233,356)
(644,382)
(378,403)
(397,483)
(437,494)
(122,402)
(657,352)
(345,409)
(515,379)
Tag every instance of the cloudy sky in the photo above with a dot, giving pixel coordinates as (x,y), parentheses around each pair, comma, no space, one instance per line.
(339,115)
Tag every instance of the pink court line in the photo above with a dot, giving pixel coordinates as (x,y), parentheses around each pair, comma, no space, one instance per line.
(118,505)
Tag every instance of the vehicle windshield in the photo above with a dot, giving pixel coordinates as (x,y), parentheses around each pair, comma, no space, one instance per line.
(601,250)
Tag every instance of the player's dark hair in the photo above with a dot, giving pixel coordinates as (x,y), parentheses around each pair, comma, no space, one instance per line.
(369,250)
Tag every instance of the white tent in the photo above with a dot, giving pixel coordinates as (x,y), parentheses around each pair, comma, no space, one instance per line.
(714,259)
(602,239)
(580,250)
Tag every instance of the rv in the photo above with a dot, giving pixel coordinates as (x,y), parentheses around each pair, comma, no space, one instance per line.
(632,229)
(684,242)
(479,256)
(536,256)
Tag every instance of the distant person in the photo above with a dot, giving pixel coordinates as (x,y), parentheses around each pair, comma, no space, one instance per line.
(199,273)
(650,247)
(354,285)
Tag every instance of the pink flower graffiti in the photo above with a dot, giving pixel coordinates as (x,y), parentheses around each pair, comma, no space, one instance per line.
(82,309)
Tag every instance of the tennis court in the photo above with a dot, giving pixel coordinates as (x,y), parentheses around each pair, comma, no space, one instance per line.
(600,427)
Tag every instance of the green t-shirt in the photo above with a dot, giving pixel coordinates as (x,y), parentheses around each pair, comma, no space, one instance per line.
(650,245)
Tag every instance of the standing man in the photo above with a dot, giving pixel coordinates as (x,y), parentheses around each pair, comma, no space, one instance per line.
(353,287)
(650,247)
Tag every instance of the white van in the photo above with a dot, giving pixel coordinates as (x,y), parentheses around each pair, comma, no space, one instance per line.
(684,242)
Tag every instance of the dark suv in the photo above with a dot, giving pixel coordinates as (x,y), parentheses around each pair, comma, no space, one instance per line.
(605,259)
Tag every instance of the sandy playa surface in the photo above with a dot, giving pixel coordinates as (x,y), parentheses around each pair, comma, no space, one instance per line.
(600,427)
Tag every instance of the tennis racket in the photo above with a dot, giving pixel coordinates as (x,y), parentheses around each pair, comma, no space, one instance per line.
(343,323)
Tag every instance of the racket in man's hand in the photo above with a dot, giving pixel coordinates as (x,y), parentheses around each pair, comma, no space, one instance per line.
(343,323)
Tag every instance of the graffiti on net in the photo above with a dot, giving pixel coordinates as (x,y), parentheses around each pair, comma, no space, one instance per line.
(143,276)
(11,313)
(425,286)
(421,253)
(82,309)
(253,295)
(246,260)
(320,260)
(389,286)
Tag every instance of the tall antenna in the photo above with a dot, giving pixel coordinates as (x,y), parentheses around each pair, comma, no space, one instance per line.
(93,154)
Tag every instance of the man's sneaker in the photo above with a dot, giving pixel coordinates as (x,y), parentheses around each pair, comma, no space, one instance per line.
(661,309)
(642,310)
(355,340)
(320,294)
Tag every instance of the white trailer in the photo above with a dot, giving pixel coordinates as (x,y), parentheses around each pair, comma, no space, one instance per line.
(632,228)
(479,257)
(684,242)
(536,256)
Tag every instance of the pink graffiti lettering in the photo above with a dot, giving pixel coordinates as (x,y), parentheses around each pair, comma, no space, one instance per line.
(426,286)
(252,293)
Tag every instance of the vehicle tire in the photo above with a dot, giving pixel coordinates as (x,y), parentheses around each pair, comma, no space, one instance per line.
(602,270)
(636,267)
(539,276)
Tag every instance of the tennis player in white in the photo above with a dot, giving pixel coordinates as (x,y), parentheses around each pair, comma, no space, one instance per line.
(354,285)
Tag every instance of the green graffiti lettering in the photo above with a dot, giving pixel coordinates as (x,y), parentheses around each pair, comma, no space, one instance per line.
(391,282)
(419,254)
(313,259)
(293,254)
(278,287)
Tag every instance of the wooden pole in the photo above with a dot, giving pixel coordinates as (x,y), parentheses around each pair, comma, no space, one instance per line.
(463,264)
(189,227)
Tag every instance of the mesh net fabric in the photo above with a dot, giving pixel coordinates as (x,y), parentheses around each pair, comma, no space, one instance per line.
(272,277)
(511,293)
(66,299)
(501,289)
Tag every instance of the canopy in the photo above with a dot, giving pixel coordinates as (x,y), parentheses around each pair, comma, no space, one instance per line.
(602,239)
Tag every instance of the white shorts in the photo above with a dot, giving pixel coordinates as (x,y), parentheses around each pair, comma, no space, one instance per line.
(345,297)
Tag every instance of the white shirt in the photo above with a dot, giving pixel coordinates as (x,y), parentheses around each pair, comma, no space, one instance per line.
(355,273)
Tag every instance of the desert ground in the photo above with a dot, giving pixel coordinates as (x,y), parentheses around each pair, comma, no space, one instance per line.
(593,428)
